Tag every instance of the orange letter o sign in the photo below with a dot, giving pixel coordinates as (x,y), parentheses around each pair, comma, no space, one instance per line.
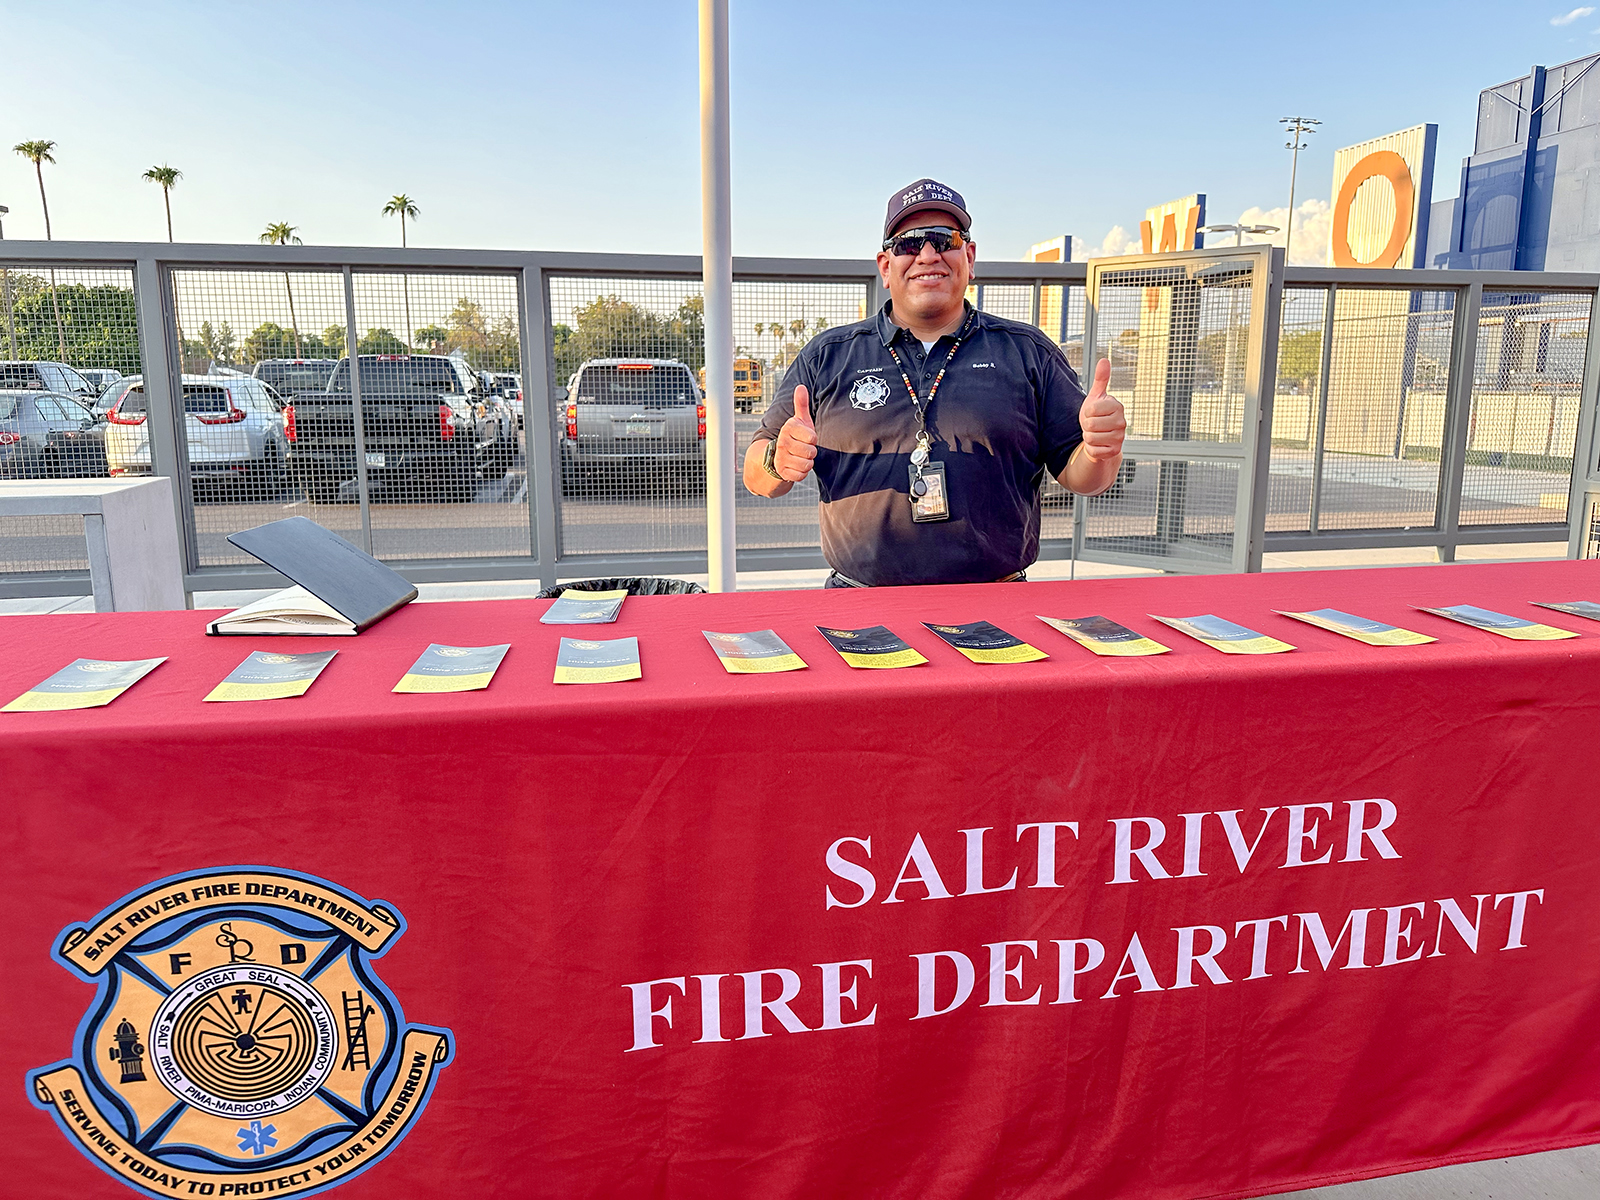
(1392,167)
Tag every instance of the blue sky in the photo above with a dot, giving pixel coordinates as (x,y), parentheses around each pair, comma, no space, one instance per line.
(574,126)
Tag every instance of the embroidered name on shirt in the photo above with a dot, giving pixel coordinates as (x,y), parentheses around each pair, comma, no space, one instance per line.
(975,366)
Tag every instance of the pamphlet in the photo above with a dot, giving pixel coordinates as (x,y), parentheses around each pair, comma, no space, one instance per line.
(85,683)
(753,653)
(1511,627)
(584,608)
(265,675)
(1578,608)
(985,643)
(1225,635)
(872,647)
(1362,629)
(1104,636)
(581,661)
(452,669)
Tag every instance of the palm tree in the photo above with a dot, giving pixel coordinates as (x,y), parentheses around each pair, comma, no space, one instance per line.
(402,206)
(798,327)
(282,234)
(38,153)
(166,176)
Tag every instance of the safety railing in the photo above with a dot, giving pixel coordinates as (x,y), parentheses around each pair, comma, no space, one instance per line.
(1405,408)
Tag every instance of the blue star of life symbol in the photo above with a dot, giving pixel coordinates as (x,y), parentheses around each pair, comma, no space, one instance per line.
(258,1138)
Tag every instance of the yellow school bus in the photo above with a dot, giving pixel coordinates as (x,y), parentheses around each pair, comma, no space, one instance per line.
(746,384)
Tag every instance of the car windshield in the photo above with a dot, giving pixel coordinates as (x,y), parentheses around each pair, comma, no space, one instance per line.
(205,399)
(9,406)
(635,385)
(382,373)
(19,375)
(295,377)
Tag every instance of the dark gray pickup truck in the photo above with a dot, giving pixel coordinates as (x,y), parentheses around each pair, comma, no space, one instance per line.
(430,434)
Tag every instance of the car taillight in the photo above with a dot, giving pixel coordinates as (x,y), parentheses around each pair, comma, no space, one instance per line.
(232,417)
(446,429)
(572,421)
(700,414)
(7,438)
(288,422)
(117,417)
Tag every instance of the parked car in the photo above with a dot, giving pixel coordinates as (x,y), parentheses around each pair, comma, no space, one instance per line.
(509,385)
(427,424)
(49,434)
(234,427)
(292,376)
(40,376)
(100,378)
(619,415)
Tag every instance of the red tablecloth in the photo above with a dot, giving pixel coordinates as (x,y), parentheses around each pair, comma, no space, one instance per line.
(548,846)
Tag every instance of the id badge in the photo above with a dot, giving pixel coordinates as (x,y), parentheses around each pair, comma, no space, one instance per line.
(933,504)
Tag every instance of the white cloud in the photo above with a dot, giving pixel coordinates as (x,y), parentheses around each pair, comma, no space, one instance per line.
(1117,241)
(1575,14)
(1313,231)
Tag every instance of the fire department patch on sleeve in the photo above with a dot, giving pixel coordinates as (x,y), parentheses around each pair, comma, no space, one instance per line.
(239,1036)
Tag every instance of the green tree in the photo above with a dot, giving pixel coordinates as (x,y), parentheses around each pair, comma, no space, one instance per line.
(1300,356)
(381,341)
(38,153)
(282,234)
(798,328)
(402,206)
(433,338)
(333,338)
(610,327)
(217,343)
(99,324)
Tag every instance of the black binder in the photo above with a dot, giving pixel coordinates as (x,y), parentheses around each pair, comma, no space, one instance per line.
(360,587)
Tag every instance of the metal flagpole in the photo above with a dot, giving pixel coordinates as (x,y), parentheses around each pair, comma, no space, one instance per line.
(717,276)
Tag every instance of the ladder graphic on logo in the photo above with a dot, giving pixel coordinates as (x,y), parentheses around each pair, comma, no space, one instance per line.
(356,1012)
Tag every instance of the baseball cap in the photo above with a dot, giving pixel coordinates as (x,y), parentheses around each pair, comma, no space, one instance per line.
(925,193)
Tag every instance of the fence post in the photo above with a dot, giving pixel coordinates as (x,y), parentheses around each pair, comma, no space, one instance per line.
(1457,417)
(1584,468)
(1320,445)
(352,351)
(155,307)
(544,473)
(1261,378)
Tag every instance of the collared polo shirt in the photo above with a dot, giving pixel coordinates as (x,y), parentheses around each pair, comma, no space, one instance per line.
(1005,413)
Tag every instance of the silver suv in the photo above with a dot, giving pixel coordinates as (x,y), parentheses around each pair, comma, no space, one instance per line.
(620,415)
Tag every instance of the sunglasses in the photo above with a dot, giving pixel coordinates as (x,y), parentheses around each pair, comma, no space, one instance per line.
(941,237)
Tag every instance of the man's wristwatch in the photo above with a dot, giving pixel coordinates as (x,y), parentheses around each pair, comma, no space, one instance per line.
(769,459)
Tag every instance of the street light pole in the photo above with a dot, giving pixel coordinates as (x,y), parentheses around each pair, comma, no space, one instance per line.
(1298,126)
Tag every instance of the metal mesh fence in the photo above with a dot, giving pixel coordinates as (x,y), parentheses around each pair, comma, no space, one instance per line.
(43,544)
(1388,384)
(65,335)
(1171,508)
(443,452)
(1526,394)
(271,430)
(628,357)
(1296,409)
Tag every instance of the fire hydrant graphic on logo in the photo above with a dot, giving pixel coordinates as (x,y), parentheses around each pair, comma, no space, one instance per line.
(239,1036)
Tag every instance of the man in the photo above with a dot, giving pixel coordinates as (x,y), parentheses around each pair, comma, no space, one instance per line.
(930,425)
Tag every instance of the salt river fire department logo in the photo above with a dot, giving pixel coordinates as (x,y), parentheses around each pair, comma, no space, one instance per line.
(869,392)
(239,1042)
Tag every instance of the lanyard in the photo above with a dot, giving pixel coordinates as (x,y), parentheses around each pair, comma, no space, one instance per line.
(917,405)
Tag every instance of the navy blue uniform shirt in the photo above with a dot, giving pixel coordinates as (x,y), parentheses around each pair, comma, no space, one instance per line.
(1006,412)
